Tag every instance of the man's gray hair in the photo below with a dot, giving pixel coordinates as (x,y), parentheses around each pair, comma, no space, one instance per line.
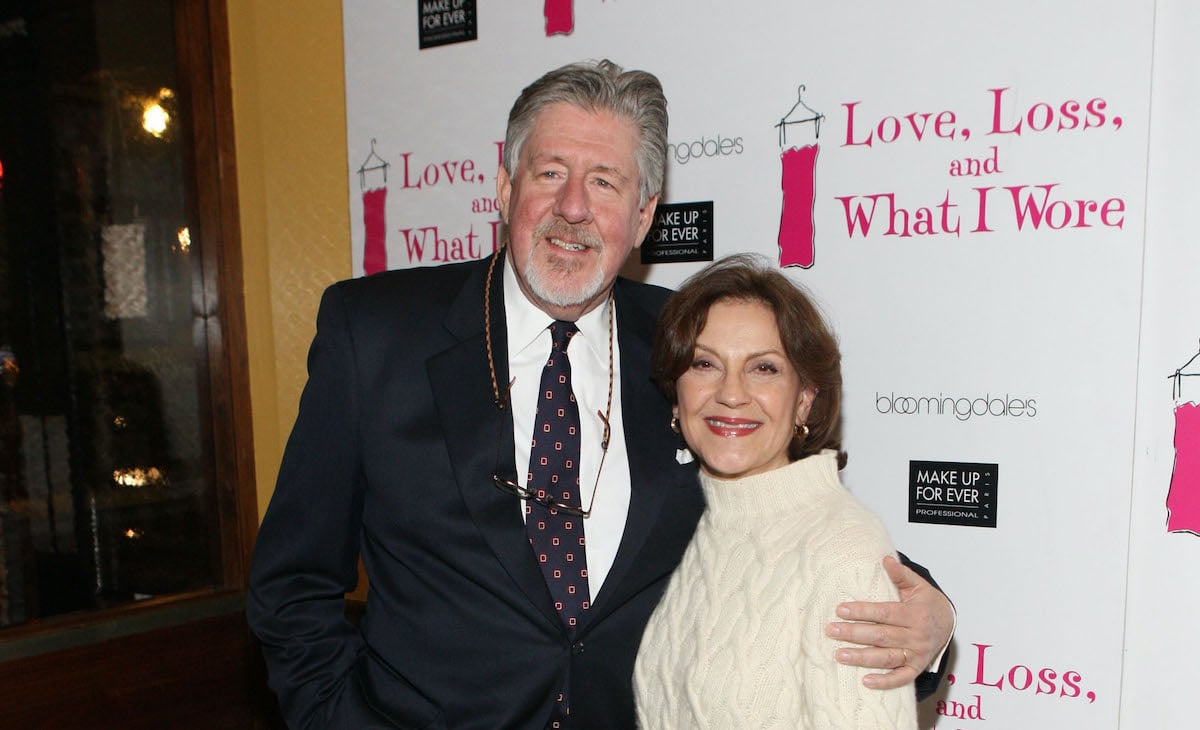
(599,86)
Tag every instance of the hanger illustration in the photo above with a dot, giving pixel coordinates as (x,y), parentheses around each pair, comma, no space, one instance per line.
(806,115)
(1181,373)
(372,163)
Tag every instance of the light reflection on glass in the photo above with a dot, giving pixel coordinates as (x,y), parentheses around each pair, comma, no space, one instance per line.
(139,477)
(155,117)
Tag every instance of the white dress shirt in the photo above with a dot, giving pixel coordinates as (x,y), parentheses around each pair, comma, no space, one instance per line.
(528,349)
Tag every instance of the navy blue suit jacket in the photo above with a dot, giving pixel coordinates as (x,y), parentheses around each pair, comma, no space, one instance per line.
(392,455)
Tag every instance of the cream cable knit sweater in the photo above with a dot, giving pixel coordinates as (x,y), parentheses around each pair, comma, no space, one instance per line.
(738,640)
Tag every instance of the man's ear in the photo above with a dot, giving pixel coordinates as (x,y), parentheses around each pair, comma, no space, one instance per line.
(645,220)
(503,192)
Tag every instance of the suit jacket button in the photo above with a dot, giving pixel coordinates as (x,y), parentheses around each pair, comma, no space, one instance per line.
(577,648)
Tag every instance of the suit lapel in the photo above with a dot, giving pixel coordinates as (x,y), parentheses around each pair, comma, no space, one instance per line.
(462,388)
(662,491)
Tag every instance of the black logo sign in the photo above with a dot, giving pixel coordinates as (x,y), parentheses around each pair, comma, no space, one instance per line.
(952,493)
(442,22)
(681,232)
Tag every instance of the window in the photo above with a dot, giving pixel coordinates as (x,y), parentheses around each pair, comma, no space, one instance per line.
(124,478)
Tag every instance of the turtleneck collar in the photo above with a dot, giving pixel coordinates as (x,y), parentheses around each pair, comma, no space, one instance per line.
(780,490)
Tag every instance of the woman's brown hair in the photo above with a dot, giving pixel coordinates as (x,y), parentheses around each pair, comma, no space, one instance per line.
(807,340)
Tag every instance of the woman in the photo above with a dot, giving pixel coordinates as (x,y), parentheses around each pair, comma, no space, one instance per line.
(738,640)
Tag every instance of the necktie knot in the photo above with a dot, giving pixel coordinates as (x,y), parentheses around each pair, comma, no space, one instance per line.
(561,333)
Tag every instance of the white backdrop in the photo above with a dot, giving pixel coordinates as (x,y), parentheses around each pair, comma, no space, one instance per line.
(1161,637)
(1011,321)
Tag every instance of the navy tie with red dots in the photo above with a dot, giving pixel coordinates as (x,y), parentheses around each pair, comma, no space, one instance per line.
(556,537)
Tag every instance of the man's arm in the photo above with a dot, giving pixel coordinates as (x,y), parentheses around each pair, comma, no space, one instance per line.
(306,554)
(904,636)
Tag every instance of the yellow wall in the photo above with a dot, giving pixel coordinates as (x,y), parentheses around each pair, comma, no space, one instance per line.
(290,127)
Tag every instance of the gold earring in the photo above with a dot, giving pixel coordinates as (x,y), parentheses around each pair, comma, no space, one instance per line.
(675,424)
(802,430)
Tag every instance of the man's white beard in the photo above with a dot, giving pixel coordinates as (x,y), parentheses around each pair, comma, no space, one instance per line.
(561,294)
(542,276)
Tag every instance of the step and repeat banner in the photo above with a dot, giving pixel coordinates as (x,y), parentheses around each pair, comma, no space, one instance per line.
(963,189)
(1161,637)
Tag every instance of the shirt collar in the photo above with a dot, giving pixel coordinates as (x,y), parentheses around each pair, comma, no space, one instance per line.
(526,323)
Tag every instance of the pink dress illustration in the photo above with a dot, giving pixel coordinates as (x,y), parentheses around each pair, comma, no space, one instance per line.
(797,230)
(797,233)
(374,202)
(1183,496)
(560,17)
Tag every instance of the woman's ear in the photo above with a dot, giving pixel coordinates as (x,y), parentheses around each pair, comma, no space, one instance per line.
(804,405)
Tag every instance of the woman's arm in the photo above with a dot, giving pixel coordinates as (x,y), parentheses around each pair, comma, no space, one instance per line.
(908,637)
(835,694)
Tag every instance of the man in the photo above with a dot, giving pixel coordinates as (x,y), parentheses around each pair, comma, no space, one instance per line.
(427,388)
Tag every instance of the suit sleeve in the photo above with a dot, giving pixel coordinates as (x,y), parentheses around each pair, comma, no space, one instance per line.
(927,683)
(306,555)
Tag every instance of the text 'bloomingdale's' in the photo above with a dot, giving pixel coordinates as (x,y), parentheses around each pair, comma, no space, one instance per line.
(962,408)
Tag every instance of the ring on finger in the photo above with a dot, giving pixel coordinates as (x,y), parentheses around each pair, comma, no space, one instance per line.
(904,653)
